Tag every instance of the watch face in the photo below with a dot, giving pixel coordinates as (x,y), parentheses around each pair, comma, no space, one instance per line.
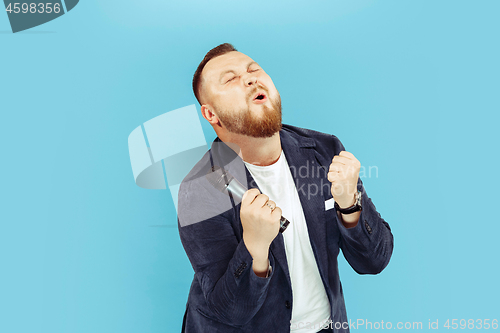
(358,201)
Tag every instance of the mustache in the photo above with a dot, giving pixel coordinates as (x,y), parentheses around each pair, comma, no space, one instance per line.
(252,92)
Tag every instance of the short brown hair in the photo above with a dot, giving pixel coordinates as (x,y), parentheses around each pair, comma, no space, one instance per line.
(215,52)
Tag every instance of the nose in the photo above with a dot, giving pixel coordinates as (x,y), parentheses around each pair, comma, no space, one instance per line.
(250,80)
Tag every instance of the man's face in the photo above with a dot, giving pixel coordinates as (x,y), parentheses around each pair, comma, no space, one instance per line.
(242,95)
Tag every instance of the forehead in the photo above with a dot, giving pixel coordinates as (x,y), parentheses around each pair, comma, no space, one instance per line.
(231,60)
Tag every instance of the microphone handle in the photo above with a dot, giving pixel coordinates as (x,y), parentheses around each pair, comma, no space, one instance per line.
(283,224)
(238,190)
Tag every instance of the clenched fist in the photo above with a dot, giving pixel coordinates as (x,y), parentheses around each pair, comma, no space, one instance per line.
(260,219)
(343,174)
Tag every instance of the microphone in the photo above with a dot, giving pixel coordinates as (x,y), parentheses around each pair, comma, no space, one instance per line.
(226,183)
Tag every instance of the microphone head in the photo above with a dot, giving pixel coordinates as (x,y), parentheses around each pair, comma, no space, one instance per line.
(218,178)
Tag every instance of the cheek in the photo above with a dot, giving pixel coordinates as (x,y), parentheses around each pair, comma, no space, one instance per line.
(231,95)
(266,79)
(230,98)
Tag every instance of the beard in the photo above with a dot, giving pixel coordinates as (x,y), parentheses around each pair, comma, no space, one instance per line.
(245,123)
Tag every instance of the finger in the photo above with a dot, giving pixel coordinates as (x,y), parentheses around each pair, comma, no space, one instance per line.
(333,176)
(260,200)
(276,213)
(249,196)
(341,159)
(347,154)
(351,157)
(336,167)
(271,204)
(343,170)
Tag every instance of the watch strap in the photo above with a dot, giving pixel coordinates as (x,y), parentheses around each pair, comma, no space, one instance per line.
(354,208)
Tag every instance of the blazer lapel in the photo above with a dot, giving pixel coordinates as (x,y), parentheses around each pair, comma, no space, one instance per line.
(300,155)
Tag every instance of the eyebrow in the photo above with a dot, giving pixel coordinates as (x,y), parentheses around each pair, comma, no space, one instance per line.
(232,71)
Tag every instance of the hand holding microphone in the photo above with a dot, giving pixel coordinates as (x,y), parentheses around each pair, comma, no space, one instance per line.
(226,183)
(260,219)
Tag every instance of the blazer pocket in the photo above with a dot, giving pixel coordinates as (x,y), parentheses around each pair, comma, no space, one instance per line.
(329,204)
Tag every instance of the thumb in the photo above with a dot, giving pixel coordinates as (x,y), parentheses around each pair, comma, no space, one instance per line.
(253,192)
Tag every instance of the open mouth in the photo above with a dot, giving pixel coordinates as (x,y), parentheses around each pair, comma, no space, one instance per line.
(260,98)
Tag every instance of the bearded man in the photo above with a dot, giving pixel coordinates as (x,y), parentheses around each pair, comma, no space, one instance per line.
(249,276)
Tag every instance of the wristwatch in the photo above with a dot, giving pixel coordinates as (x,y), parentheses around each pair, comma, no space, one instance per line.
(354,208)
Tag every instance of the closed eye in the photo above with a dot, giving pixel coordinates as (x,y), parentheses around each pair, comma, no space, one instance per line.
(231,79)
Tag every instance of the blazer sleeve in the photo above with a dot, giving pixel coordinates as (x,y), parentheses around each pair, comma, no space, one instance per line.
(368,246)
(221,261)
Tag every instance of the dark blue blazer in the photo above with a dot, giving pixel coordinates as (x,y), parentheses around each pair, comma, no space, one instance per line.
(226,295)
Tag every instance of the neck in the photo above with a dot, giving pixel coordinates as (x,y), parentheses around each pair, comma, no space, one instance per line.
(258,151)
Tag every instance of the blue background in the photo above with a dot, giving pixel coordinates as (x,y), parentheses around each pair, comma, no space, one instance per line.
(410,87)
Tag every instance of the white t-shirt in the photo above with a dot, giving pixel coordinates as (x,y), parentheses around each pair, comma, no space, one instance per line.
(311,308)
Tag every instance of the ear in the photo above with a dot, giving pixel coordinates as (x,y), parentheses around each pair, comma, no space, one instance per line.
(209,115)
